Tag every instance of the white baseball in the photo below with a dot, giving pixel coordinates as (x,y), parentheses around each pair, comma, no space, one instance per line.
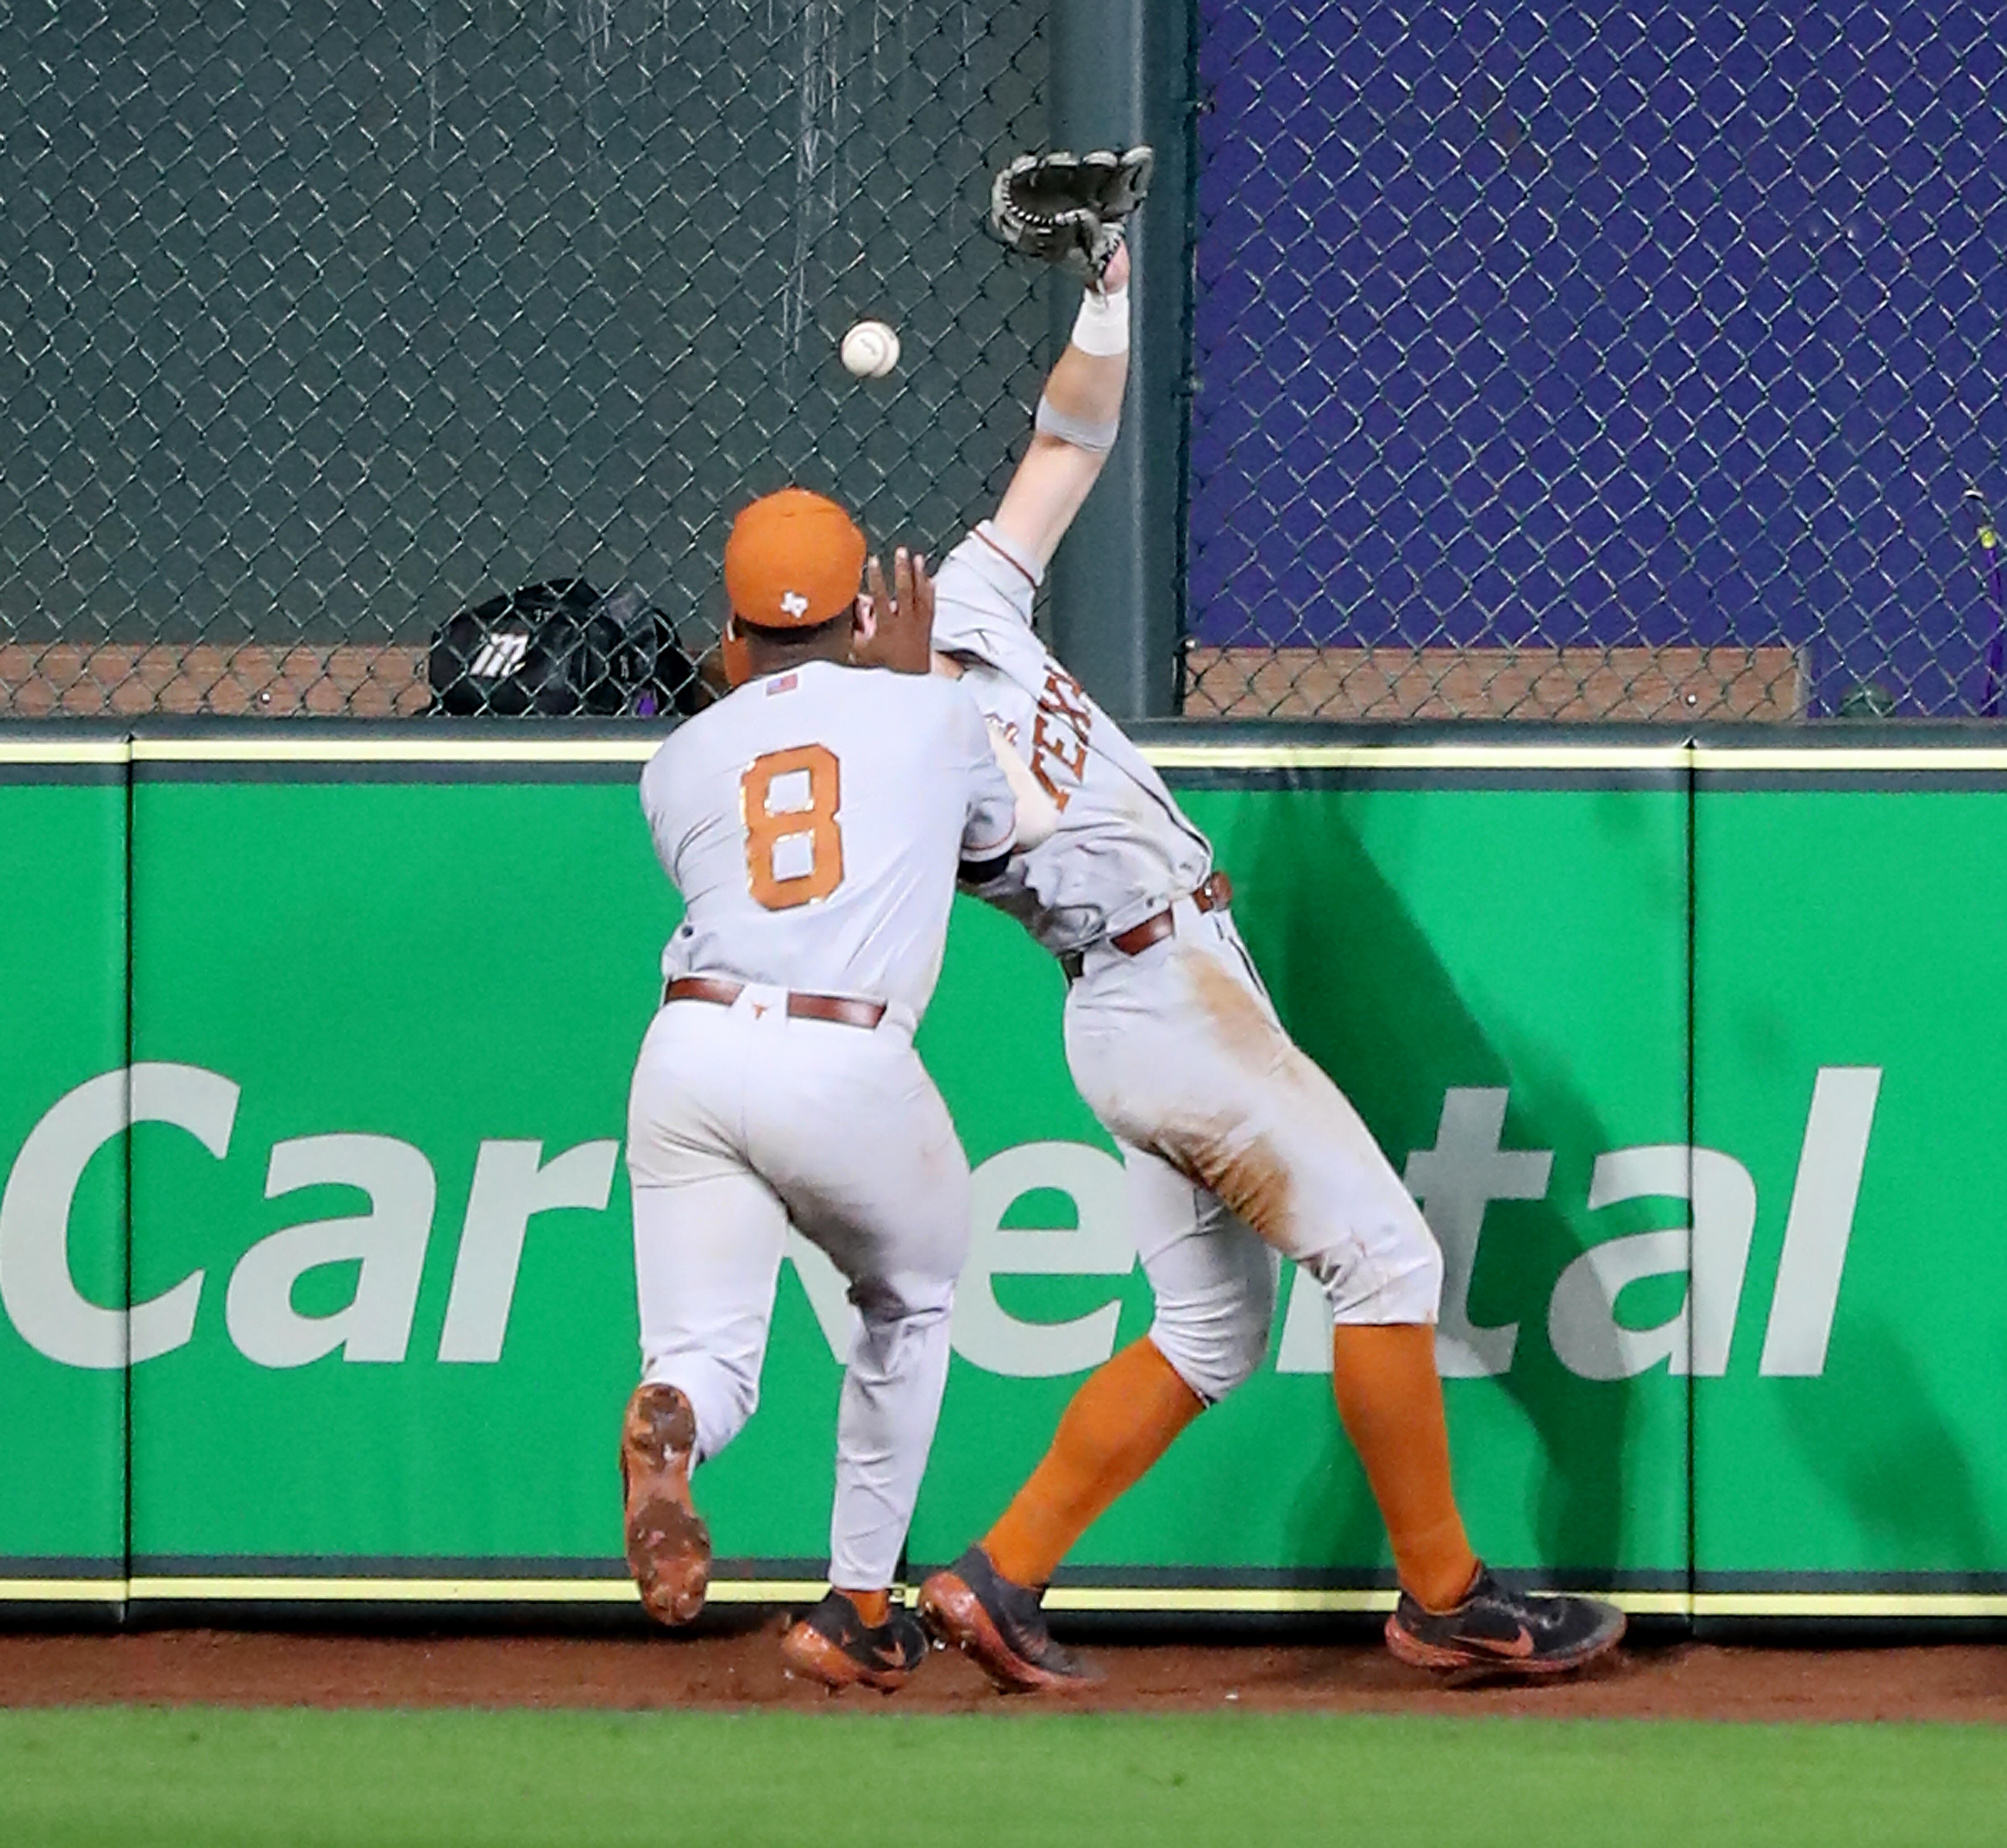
(870,350)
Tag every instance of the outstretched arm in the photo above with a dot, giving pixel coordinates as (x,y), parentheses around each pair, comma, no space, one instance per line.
(1076,422)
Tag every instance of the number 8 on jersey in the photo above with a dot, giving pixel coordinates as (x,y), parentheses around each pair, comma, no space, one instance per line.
(775,871)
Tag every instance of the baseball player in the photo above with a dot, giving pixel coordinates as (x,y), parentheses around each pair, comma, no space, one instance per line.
(1238,1151)
(814,821)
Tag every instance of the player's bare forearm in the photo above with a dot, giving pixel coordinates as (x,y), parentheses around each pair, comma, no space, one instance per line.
(1088,386)
(1038,814)
(1050,486)
(1081,408)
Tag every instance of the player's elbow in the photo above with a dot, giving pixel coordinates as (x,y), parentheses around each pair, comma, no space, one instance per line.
(1038,818)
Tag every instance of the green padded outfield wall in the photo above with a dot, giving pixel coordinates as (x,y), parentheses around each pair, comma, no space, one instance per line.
(1448,950)
(62,1214)
(1850,1043)
(1710,1162)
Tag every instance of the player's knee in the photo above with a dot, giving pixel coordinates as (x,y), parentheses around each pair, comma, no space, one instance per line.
(914,1297)
(1402,1282)
(1216,1340)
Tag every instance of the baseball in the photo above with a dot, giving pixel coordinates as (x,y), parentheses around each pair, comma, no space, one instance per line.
(870,350)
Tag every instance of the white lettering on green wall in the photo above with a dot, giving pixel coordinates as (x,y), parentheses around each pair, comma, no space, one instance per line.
(387,1244)
(1098,1245)
(1712,1254)
(37,1287)
(1456,1180)
(1822,1221)
(512,1184)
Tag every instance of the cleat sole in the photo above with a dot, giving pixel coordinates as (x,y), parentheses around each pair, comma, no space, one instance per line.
(668,1544)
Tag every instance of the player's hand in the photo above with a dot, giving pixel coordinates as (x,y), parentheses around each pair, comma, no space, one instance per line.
(1116,275)
(899,631)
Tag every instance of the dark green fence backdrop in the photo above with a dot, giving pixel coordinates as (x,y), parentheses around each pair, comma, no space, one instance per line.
(1631,361)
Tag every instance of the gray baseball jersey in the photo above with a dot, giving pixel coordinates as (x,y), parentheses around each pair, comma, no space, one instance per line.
(1122,851)
(812,821)
(1178,1050)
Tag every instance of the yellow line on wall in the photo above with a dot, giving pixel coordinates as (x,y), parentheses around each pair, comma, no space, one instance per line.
(1582,759)
(1251,1600)
(454,1591)
(1850,1604)
(63,1591)
(1587,757)
(426,746)
(1897,760)
(1168,1600)
(420,748)
(111,750)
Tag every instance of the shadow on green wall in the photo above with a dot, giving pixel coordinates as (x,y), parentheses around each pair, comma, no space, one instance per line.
(1903,1475)
(1360,986)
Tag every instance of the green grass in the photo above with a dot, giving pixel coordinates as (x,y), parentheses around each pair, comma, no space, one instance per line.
(135,1777)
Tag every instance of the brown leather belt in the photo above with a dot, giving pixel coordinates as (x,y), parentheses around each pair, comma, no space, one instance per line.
(1215,895)
(845,1010)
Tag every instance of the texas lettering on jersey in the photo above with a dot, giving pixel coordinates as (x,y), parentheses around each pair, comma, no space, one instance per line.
(1122,850)
(1059,736)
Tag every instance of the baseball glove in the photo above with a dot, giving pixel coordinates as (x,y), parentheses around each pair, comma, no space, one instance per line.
(1068,209)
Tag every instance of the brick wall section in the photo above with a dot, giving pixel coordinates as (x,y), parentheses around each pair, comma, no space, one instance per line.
(1584,684)
(64,680)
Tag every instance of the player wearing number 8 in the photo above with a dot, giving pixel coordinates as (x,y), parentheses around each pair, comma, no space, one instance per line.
(814,821)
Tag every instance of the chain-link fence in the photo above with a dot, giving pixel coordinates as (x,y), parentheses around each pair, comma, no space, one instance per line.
(322,322)
(1630,361)
(1619,359)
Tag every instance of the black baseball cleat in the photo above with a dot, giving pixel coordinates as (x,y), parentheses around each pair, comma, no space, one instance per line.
(1505,1632)
(1000,1627)
(669,1546)
(832,1643)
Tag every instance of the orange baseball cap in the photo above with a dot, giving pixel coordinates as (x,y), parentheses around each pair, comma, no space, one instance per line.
(794,560)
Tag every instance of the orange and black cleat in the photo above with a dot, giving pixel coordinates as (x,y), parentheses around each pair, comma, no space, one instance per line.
(832,1643)
(999,1625)
(1503,1632)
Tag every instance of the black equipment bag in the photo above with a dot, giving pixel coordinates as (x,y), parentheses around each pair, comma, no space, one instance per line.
(563,650)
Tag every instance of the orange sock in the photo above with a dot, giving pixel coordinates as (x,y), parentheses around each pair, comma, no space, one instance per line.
(1390,1397)
(1119,1423)
(874,1608)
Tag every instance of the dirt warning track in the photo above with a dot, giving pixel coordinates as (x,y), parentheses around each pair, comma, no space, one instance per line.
(739,1667)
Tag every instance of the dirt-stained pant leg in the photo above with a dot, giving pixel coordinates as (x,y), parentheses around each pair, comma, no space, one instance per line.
(1213,1281)
(1179,1053)
(739,1123)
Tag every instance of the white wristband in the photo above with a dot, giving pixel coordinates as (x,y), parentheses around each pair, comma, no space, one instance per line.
(1103,328)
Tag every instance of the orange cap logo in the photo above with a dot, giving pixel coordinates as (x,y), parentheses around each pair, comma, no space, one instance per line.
(794,560)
